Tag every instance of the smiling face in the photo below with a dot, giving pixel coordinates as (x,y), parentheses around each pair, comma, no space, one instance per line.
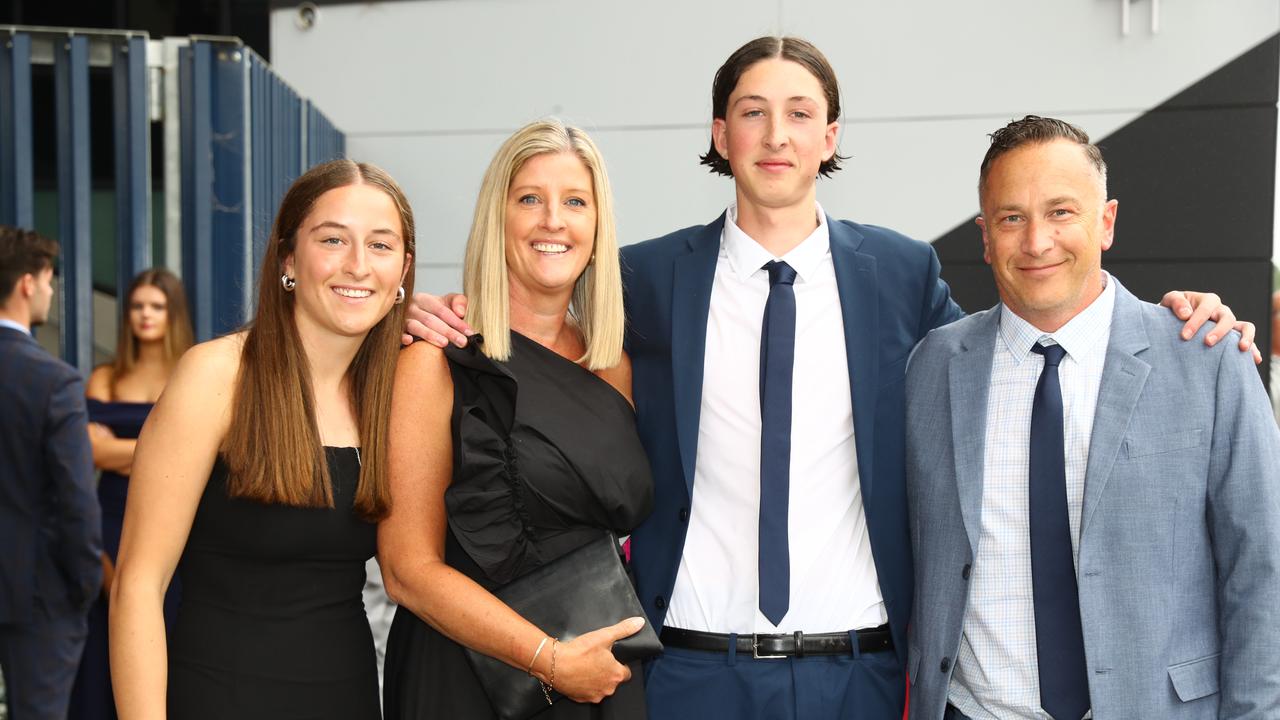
(1045,223)
(148,313)
(348,260)
(550,225)
(775,134)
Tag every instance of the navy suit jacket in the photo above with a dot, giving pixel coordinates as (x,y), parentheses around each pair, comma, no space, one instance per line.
(891,295)
(50,523)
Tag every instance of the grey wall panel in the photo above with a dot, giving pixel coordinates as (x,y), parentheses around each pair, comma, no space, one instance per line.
(1000,57)
(449,65)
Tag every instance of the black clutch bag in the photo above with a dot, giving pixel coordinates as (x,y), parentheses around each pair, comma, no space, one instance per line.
(584,590)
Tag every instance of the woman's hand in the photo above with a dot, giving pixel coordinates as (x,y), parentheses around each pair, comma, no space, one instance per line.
(438,320)
(585,669)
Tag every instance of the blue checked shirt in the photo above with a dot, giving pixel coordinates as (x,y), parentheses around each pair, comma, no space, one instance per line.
(996,675)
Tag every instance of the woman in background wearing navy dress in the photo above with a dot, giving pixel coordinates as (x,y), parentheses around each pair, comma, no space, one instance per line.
(155,330)
(261,473)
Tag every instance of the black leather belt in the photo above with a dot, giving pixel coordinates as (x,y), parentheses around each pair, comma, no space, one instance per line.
(781,645)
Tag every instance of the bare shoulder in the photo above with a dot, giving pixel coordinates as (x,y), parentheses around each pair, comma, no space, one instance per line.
(421,358)
(619,376)
(208,371)
(98,387)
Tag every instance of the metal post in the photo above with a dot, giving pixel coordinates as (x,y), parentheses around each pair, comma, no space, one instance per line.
(133,162)
(71,87)
(16,176)
(195,63)
(229,154)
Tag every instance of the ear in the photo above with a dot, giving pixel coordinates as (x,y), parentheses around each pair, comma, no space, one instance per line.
(986,250)
(408,263)
(720,137)
(1109,223)
(27,285)
(832,135)
(286,267)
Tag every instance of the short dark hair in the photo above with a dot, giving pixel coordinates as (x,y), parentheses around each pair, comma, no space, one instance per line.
(794,49)
(22,252)
(1034,129)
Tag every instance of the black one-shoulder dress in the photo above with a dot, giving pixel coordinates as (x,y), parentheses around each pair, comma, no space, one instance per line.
(570,465)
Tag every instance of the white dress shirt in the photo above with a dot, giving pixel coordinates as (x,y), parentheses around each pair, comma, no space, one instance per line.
(833,577)
(996,674)
(15,325)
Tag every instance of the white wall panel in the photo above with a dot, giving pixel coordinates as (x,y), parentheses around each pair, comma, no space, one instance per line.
(448,65)
(429,88)
(1010,57)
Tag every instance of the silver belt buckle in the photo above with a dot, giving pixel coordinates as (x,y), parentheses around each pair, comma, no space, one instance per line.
(755,650)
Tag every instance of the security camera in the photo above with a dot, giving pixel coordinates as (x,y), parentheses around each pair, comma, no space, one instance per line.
(308,16)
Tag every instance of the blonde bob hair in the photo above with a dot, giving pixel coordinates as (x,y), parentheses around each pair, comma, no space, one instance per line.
(597,295)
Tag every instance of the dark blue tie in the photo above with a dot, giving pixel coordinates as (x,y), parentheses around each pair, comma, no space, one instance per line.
(777,357)
(1064,680)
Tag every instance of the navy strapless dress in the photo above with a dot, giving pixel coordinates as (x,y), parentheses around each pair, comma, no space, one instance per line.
(92,699)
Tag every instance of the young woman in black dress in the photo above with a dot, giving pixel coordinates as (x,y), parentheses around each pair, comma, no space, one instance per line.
(480,501)
(261,472)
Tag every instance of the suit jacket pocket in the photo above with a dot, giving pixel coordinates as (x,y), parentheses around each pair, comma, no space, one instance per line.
(1143,445)
(1195,679)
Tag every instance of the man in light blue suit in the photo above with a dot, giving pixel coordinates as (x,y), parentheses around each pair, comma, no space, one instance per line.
(1094,505)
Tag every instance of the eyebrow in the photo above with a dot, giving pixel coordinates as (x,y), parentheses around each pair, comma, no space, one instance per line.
(761,98)
(340,226)
(522,188)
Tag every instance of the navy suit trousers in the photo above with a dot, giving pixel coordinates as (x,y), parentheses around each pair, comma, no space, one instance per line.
(39,660)
(695,685)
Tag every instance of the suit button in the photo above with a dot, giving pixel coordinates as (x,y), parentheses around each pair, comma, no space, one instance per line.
(659,603)
(684,514)
(965,572)
(946,664)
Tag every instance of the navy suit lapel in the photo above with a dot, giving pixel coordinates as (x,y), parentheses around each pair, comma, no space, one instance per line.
(1124,375)
(969,377)
(690,302)
(858,286)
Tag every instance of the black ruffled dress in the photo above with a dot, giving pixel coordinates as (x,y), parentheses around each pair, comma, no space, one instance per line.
(545,456)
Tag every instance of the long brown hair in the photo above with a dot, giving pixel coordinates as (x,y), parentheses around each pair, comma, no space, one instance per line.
(273,448)
(177,332)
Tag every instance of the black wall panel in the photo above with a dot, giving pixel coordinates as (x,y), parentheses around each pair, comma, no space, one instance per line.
(1195,178)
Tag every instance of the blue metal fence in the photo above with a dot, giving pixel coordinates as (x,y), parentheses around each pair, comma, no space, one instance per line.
(245,135)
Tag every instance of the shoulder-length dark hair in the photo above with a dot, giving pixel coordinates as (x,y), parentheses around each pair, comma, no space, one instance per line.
(273,448)
(177,331)
(797,51)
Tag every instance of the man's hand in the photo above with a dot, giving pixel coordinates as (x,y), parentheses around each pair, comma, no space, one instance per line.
(438,320)
(1197,308)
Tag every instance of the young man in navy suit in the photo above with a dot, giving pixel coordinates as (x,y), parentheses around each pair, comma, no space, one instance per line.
(768,351)
(50,529)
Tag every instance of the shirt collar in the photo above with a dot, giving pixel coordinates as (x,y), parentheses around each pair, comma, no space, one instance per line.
(15,325)
(1080,333)
(746,256)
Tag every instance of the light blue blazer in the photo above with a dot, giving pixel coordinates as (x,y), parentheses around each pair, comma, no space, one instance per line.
(1179,566)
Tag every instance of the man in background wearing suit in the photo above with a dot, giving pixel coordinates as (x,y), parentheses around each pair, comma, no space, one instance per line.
(50,531)
(1075,550)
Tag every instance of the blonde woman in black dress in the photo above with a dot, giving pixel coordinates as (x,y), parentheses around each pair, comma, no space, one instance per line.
(511,452)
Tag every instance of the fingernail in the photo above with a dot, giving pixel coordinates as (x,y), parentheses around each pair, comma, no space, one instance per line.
(1211,339)
(637,622)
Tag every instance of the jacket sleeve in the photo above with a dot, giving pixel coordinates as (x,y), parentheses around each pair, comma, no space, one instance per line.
(938,308)
(69,459)
(1244,525)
